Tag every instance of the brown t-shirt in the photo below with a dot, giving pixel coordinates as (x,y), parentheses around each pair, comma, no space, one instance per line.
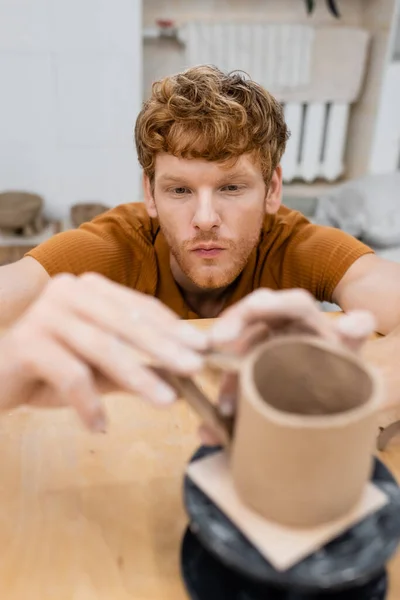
(127,246)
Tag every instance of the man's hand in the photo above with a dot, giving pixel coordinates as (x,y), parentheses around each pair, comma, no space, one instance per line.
(266,313)
(86,335)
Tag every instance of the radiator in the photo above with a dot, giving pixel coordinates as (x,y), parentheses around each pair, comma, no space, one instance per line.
(317,142)
(274,55)
(315,73)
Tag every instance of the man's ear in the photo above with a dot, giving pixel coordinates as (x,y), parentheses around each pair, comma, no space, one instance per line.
(149,197)
(273,198)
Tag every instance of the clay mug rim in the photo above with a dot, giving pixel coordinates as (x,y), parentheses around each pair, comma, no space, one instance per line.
(244,367)
(249,388)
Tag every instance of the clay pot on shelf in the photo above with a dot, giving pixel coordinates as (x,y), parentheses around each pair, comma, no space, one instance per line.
(21,213)
(84,212)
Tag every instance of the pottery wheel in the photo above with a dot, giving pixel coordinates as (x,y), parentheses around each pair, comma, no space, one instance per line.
(207,579)
(350,560)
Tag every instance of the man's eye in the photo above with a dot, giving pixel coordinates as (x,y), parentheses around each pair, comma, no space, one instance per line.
(179,191)
(231,188)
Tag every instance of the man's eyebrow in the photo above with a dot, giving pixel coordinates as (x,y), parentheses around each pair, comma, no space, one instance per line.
(226,177)
(171,179)
(234,176)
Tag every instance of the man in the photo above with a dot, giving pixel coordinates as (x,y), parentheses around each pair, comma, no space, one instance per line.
(210,232)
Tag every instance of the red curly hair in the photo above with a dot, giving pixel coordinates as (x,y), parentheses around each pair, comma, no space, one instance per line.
(205,113)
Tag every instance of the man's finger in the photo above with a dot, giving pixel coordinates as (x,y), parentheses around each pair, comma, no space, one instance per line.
(70,379)
(253,334)
(296,306)
(96,333)
(130,308)
(125,313)
(354,328)
(114,358)
(208,436)
(227,398)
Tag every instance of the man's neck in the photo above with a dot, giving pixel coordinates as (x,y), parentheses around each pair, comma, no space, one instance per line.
(208,304)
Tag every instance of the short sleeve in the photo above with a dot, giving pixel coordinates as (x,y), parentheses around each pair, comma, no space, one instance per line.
(314,257)
(103,246)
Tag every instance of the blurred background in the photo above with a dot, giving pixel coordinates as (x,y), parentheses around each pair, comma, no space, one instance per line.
(73,76)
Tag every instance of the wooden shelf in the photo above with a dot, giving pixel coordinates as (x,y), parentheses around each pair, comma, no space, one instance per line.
(307,190)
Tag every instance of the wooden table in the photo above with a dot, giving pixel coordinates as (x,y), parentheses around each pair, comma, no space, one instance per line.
(100,517)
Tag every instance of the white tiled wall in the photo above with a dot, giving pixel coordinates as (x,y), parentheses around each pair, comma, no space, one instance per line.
(70,90)
(380,18)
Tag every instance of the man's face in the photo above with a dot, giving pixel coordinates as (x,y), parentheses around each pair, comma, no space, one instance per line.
(211,216)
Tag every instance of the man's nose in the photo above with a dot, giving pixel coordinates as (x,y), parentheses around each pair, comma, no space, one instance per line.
(206,216)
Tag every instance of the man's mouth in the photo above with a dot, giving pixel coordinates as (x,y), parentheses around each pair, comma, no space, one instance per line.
(208,250)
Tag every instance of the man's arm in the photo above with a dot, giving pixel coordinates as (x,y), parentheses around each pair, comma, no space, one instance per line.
(20,283)
(373,284)
(87,335)
(108,245)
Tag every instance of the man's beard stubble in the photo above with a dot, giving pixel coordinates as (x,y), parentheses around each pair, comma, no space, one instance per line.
(239,251)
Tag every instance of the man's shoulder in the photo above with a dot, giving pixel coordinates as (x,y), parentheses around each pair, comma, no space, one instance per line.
(131,218)
(116,244)
(289,217)
(283,225)
(296,253)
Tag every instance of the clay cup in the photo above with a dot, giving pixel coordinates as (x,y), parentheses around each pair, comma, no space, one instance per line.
(304,434)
